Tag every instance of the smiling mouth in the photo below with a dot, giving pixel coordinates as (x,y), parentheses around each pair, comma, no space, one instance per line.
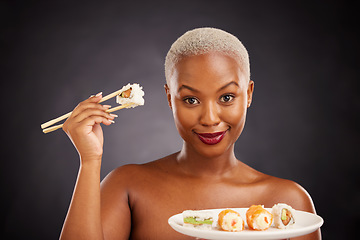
(211,138)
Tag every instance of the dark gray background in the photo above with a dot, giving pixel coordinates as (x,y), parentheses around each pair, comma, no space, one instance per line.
(302,125)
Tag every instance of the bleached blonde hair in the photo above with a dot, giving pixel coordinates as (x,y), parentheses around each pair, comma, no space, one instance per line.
(206,40)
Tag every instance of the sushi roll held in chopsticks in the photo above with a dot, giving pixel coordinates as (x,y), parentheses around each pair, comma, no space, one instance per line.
(258,218)
(284,215)
(131,95)
(230,220)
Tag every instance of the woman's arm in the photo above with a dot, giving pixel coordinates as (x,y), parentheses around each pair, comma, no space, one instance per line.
(83,220)
(115,203)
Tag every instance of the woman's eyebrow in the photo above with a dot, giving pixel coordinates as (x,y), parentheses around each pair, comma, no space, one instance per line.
(228,84)
(195,90)
(187,87)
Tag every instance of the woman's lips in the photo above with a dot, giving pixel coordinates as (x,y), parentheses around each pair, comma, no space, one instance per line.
(211,138)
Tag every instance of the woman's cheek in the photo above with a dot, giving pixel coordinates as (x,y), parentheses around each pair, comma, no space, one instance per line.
(235,117)
(184,120)
(186,117)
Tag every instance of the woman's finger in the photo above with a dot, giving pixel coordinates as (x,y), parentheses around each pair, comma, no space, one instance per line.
(83,106)
(92,112)
(91,102)
(86,125)
(92,120)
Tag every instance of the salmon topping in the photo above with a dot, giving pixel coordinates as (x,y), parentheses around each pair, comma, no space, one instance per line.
(286,216)
(126,94)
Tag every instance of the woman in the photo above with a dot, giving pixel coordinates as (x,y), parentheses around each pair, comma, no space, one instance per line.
(208,90)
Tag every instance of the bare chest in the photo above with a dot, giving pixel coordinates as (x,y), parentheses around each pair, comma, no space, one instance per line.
(155,200)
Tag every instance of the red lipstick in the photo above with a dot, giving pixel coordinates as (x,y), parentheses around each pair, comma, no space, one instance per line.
(211,138)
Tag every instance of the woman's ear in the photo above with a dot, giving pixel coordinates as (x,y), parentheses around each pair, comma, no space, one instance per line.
(250,91)
(168,95)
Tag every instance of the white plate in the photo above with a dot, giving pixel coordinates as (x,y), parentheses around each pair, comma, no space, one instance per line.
(305,223)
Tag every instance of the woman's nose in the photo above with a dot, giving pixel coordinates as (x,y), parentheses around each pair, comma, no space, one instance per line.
(210,115)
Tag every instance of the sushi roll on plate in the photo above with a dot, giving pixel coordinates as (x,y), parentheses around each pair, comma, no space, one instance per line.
(258,218)
(198,219)
(284,215)
(230,220)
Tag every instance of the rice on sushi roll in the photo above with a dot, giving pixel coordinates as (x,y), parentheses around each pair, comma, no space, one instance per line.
(284,215)
(198,219)
(258,218)
(230,220)
(131,95)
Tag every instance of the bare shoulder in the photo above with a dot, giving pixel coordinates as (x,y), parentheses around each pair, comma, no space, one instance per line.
(123,174)
(120,190)
(289,192)
(125,171)
(120,176)
(293,194)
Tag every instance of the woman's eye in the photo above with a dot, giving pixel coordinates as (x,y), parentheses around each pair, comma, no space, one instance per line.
(226,98)
(191,100)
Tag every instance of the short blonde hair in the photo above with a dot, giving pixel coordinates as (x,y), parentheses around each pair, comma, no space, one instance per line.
(205,40)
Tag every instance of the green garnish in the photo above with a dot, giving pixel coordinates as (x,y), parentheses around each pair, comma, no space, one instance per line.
(283,214)
(192,220)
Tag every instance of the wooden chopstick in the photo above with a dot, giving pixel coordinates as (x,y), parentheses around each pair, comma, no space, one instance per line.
(118,107)
(53,128)
(56,127)
(53,121)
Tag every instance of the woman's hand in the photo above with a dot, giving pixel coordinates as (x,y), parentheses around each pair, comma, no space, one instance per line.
(84,130)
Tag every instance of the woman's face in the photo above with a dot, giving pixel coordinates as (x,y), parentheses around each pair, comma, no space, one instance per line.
(209,95)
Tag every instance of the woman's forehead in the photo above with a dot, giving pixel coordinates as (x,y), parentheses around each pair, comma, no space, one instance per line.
(210,69)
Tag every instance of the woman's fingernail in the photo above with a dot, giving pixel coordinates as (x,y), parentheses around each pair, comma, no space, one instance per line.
(107,106)
(111,121)
(99,94)
(113,115)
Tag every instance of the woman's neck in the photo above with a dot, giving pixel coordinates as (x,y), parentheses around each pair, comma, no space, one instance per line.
(194,163)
